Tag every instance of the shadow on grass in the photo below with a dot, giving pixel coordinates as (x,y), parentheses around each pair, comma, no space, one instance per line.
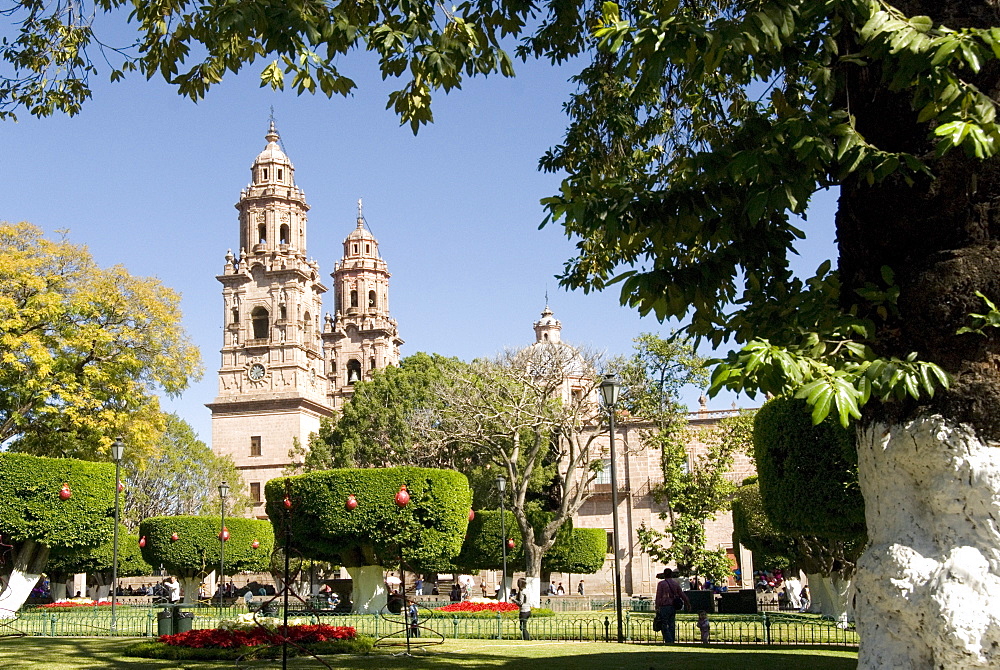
(102,654)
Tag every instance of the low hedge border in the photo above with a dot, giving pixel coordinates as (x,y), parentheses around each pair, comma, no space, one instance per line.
(486,614)
(160,650)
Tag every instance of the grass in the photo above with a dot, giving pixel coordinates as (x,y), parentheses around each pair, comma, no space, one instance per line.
(34,653)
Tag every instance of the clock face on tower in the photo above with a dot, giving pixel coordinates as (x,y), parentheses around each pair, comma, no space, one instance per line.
(256,372)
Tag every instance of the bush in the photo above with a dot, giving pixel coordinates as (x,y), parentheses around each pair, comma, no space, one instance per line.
(807,474)
(31,509)
(198,543)
(486,614)
(427,532)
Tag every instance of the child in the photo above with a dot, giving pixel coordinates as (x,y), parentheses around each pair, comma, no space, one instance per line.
(703,625)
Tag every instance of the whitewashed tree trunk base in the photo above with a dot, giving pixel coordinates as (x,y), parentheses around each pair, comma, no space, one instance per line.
(190,587)
(533,589)
(368,588)
(928,584)
(58,591)
(27,570)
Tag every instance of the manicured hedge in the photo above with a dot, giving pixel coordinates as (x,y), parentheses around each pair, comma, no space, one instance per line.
(428,532)
(807,474)
(752,529)
(581,552)
(483,549)
(31,509)
(101,558)
(197,546)
(576,550)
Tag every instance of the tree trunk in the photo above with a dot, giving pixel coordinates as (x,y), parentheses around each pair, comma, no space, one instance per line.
(928,583)
(368,589)
(28,567)
(58,590)
(190,587)
(532,573)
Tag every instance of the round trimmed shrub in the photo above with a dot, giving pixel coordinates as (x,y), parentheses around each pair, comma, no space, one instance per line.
(427,533)
(807,474)
(197,546)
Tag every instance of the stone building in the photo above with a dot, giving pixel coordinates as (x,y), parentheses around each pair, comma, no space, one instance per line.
(285,367)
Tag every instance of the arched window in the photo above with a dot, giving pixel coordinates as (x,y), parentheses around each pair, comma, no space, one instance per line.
(262,233)
(372,363)
(265,174)
(236,314)
(307,323)
(282,312)
(354,298)
(355,248)
(333,367)
(284,233)
(368,248)
(261,325)
(353,371)
(371,299)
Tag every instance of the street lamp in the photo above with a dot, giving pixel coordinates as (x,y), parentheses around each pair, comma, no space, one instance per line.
(117,451)
(610,389)
(223,494)
(501,487)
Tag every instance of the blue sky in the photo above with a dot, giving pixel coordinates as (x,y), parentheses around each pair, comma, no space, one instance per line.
(148,180)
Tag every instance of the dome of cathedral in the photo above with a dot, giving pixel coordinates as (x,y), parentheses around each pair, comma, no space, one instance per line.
(360,233)
(272,153)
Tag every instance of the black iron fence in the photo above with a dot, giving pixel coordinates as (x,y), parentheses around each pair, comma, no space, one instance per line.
(765,628)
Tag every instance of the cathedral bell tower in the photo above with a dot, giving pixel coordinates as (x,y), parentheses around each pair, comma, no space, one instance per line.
(361,337)
(272,382)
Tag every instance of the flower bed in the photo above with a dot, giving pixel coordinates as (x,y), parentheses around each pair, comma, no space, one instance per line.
(485,610)
(470,606)
(227,639)
(255,642)
(66,604)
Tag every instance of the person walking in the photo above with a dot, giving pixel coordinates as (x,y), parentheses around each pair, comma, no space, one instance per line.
(418,587)
(524,609)
(579,587)
(669,599)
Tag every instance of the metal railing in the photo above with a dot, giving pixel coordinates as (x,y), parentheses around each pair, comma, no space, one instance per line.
(765,629)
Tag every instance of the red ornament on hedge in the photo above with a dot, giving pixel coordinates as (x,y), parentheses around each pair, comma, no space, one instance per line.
(175,537)
(64,492)
(403,497)
(224,535)
(121,487)
(472,515)
(352,503)
(288,503)
(510,543)
(255,544)
(142,541)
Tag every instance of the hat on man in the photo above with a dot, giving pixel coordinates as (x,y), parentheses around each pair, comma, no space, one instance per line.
(666,574)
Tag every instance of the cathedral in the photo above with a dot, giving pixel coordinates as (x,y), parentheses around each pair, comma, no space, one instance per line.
(284,365)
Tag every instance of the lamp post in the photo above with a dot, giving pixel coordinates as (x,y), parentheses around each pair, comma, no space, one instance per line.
(610,388)
(501,487)
(223,494)
(117,451)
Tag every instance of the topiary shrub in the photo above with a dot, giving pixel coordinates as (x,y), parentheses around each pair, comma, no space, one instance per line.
(35,519)
(482,548)
(581,551)
(807,474)
(425,535)
(196,550)
(99,560)
(752,529)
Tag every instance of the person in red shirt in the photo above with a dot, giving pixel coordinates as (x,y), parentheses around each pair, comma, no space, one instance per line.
(669,599)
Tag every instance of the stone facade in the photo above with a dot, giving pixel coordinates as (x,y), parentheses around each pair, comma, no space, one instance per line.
(281,371)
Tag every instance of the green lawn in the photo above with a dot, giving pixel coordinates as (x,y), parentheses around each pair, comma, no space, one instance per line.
(35,653)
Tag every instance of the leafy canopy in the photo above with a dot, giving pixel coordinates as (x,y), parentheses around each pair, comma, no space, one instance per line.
(84,349)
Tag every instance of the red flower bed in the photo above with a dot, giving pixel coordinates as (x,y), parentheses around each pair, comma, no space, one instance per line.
(226,639)
(72,603)
(478,607)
